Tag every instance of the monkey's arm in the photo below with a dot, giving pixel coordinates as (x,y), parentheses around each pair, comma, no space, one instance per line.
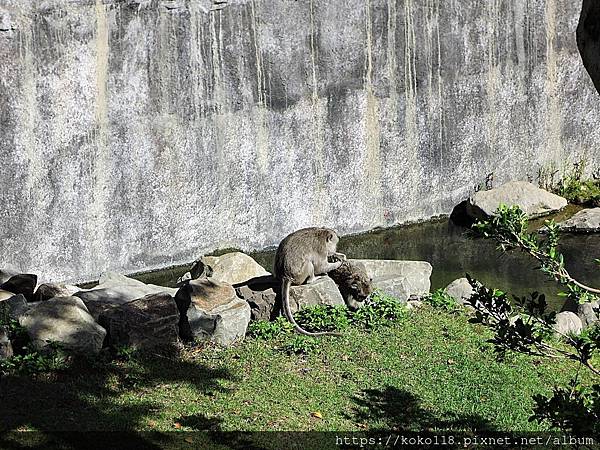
(335,257)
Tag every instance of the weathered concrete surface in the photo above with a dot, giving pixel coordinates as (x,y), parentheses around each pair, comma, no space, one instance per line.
(136,135)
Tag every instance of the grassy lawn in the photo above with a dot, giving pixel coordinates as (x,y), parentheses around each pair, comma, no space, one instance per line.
(432,370)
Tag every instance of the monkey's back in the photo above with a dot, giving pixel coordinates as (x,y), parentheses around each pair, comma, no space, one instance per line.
(298,247)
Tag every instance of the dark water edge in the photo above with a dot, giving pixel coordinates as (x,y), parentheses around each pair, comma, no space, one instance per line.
(453,251)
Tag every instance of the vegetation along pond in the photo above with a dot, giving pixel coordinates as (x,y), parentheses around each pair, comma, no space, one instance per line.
(454,251)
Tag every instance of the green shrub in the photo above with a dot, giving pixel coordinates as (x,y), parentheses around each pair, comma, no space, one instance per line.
(379,310)
(324,318)
(441,299)
(577,190)
(263,329)
(26,359)
(53,358)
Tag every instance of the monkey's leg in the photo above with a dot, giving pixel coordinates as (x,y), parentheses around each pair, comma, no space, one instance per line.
(309,269)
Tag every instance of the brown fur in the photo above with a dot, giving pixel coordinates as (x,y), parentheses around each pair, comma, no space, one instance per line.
(300,257)
(354,283)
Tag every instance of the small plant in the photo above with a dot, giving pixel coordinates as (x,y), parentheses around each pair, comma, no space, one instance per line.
(441,299)
(324,318)
(577,190)
(125,353)
(379,310)
(53,358)
(301,345)
(263,329)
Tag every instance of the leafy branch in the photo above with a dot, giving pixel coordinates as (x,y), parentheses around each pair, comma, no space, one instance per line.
(524,326)
(509,228)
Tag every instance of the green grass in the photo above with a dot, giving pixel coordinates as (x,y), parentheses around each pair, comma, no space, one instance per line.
(433,370)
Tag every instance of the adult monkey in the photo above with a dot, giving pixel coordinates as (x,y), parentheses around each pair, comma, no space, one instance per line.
(300,257)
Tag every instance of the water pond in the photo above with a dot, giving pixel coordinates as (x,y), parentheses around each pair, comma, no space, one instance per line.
(453,251)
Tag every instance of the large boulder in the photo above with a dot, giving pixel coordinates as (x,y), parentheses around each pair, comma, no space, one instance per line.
(461,290)
(22,283)
(401,279)
(532,200)
(145,323)
(65,320)
(13,306)
(231,268)
(262,294)
(210,310)
(585,221)
(114,288)
(567,322)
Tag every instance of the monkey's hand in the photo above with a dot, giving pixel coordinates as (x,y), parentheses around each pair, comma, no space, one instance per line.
(337,257)
(340,256)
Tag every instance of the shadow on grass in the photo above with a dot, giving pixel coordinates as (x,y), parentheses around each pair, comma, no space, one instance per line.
(400,410)
(81,405)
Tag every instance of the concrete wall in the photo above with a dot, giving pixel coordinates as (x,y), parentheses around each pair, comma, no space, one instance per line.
(136,134)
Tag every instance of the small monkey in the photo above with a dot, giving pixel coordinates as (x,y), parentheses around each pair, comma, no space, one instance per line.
(300,257)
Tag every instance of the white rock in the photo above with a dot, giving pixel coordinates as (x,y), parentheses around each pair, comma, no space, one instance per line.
(119,289)
(461,290)
(233,268)
(567,322)
(401,279)
(532,200)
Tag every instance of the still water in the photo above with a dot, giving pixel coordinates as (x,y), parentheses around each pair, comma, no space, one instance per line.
(453,251)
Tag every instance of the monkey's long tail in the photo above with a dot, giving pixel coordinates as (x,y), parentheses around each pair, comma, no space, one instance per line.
(285,300)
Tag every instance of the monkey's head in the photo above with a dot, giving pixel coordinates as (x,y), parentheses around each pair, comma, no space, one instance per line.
(331,239)
(361,285)
(354,283)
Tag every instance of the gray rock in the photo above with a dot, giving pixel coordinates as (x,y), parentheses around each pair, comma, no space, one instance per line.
(401,279)
(588,313)
(233,268)
(210,310)
(114,288)
(323,291)
(567,323)
(460,290)
(23,283)
(114,279)
(46,291)
(585,221)
(13,306)
(532,200)
(145,323)
(6,350)
(65,320)
(262,294)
